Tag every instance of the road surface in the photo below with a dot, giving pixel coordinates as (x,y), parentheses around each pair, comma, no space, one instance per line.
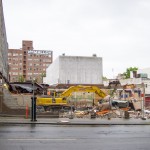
(64,137)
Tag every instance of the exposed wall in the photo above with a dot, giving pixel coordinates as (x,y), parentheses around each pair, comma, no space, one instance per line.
(147,85)
(16,101)
(138,82)
(75,70)
(52,73)
(3,44)
(145,70)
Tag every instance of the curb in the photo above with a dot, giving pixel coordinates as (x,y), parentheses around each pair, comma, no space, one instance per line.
(72,124)
(85,122)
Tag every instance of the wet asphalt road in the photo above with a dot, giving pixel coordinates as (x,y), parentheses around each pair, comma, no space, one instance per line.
(48,137)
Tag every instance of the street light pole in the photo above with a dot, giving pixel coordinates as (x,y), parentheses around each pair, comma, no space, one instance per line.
(33,105)
(33,86)
(44,88)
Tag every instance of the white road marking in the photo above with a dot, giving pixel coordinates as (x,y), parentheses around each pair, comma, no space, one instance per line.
(41,139)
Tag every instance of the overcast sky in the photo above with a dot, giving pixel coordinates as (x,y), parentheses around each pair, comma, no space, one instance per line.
(116,30)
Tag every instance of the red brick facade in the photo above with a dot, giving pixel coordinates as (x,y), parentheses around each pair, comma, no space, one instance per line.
(26,63)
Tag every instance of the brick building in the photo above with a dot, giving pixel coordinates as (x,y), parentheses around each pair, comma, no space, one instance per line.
(26,63)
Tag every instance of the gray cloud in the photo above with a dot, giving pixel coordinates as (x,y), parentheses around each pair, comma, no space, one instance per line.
(117,30)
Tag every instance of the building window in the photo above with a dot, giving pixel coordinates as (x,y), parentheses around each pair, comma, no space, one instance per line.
(15,54)
(15,73)
(29,73)
(35,73)
(14,69)
(9,54)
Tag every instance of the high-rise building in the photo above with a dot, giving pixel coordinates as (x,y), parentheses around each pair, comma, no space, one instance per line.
(3,45)
(28,64)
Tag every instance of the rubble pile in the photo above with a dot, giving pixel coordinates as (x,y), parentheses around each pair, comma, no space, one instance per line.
(105,110)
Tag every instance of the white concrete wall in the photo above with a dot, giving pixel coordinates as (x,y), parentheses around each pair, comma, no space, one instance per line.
(75,70)
(52,73)
(147,86)
(130,81)
(145,70)
(137,81)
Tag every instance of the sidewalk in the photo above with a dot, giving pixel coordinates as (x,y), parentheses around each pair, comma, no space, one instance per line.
(75,121)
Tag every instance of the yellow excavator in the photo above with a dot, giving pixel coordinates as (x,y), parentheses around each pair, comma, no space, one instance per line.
(62,99)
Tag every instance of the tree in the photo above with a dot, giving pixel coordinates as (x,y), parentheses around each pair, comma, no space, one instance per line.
(21,78)
(128,71)
(104,78)
(39,78)
(43,75)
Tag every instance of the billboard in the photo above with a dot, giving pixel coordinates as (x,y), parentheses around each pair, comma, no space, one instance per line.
(40,52)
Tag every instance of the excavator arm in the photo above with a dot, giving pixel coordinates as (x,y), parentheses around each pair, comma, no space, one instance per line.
(80,88)
(46,101)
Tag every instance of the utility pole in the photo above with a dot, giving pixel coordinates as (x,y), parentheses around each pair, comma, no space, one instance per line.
(1,94)
(143,102)
(110,107)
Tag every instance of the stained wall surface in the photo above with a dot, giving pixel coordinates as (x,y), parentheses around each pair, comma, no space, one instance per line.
(3,44)
(75,70)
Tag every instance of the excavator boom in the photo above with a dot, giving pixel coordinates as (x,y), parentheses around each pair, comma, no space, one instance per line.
(46,101)
(80,88)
